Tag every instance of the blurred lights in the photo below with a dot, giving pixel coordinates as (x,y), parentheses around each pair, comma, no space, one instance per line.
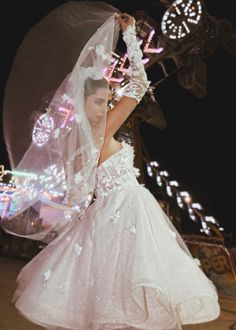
(174,183)
(158,180)
(168,190)
(179,201)
(186,196)
(164,173)
(183,198)
(197,206)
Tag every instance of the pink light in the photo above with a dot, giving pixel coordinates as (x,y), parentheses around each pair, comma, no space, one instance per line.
(146,48)
(108,71)
(118,80)
(7,201)
(66,113)
(145,60)
(123,60)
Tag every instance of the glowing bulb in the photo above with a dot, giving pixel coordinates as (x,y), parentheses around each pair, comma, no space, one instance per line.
(149,170)
(168,190)
(197,206)
(164,173)
(186,197)
(158,179)
(179,201)
(174,183)
(154,163)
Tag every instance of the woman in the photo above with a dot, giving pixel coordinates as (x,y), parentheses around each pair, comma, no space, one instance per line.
(121,264)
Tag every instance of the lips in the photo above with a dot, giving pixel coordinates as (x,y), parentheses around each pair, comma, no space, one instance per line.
(100,115)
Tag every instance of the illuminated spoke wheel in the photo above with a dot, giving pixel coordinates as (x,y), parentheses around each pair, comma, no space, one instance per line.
(181,18)
(42,130)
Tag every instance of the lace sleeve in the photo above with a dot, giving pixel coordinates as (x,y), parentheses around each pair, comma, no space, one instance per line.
(138,83)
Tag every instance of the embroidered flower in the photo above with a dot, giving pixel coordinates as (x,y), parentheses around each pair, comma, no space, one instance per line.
(132,229)
(94,150)
(47,275)
(197,261)
(116,171)
(115,216)
(77,249)
(101,51)
(66,98)
(92,72)
(136,171)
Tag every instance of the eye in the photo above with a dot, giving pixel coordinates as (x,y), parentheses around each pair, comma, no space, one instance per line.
(98,102)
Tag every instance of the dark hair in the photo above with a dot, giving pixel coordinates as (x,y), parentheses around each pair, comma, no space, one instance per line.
(91,85)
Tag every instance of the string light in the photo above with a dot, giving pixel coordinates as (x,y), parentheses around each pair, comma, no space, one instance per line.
(53,177)
(183,198)
(158,179)
(147,49)
(174,184)
(186,197)
(66,113)
(168,190)
(197,206)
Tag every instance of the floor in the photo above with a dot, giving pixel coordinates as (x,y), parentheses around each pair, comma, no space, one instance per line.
(10,319)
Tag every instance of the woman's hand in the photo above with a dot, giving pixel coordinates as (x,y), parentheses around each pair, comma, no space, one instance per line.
(125,20)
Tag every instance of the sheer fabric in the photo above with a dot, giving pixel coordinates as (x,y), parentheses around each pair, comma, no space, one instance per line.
(55,178)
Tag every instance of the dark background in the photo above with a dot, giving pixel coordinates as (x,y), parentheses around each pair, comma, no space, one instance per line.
(197,146)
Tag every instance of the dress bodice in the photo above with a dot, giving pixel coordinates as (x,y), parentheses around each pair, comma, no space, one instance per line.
(116,171)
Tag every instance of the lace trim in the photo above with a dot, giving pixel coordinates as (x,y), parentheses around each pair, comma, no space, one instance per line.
(110,178)
(138,83)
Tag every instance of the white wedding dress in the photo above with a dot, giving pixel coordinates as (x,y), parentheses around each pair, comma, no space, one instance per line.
(120,266)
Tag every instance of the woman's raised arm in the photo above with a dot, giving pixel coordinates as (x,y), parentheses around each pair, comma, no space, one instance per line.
(138,82)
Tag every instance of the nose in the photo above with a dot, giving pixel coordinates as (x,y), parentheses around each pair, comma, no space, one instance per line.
(101,111)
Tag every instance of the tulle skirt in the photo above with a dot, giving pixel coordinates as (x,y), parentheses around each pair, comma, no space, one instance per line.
(121,266)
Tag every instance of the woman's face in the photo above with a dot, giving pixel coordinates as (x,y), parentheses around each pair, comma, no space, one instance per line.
(96,104)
